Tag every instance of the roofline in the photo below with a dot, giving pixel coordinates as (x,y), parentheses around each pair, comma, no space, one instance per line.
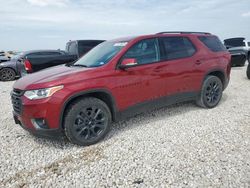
(86,40)
(183,32)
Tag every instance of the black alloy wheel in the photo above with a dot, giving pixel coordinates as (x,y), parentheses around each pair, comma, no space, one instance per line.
(211,92)
(87,121)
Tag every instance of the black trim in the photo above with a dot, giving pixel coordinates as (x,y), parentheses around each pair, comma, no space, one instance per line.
(156,103)
(74,96)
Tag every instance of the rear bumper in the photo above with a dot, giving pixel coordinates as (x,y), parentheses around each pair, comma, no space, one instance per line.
(48,133)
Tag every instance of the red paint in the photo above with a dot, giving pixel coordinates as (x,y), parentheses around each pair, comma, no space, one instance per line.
(128,87)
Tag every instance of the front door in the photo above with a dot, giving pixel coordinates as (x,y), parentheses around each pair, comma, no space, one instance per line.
(142,82)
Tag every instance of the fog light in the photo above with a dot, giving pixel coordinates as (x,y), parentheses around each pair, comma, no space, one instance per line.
(40,123)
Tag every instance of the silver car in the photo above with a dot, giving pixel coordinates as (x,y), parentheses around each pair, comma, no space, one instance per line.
(238,46)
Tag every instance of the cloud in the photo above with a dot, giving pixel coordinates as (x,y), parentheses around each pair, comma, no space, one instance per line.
(38,23)
(44,3)
(50,36)
(246,14)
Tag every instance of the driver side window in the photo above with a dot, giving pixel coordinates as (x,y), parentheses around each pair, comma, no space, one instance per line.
(145,51)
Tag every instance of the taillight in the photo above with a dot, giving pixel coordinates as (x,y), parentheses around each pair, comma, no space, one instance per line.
(27,65)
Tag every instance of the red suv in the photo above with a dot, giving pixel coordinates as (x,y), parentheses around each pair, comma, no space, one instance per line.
(119,78)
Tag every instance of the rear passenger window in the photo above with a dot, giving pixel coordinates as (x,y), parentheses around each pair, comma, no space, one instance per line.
(176,48)
(213,43)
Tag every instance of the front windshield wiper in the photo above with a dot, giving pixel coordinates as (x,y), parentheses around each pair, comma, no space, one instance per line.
(79,65)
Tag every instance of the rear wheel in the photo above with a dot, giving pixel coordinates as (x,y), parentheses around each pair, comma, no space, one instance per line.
(211,92)
(87,121)
(248,71)
(7,74)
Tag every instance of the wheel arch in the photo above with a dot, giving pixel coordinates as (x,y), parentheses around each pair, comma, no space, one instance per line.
(1,68)
(218,73)
(102,94)
(11,68)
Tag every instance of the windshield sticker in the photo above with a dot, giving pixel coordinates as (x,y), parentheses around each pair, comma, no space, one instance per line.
(121,44)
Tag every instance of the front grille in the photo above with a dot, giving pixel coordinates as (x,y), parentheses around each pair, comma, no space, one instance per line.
(16,100)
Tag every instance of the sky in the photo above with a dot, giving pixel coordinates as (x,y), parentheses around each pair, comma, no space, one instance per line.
(49,24)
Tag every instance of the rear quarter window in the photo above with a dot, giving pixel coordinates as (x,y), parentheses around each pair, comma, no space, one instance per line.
(176,48)
(213,43)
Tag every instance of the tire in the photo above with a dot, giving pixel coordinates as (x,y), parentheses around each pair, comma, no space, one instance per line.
(7,74)
(211,92)
(87,121)
(248,71)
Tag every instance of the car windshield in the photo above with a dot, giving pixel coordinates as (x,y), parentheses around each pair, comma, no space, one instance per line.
(101,54)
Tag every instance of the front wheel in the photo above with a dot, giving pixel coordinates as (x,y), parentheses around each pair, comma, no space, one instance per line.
(87,121)
(211,92)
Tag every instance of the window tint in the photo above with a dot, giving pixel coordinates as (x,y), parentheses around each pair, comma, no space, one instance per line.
(145,51)
(234,42)
(213,43)
(176,48)
(248,44)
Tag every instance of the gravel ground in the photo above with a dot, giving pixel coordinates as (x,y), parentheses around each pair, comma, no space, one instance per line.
(177,146)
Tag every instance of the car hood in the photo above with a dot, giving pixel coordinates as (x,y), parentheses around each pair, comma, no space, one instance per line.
(52,76)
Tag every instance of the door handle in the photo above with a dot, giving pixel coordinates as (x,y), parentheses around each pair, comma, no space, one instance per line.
(198,62)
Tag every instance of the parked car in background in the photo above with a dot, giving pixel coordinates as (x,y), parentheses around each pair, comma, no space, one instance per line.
(74,50)
(238,47)
(3,57)
(119,78)
(248,71)
(238,59)
(9,70)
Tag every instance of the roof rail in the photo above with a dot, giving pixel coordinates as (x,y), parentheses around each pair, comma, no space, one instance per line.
(183,32)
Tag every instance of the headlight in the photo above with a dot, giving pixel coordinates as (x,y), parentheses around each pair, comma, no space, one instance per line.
(42,93)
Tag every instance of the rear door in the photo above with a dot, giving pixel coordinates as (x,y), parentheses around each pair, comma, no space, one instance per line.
(177,54)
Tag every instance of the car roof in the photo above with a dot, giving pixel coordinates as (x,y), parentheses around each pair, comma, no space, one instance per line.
(235,38)
(167,33)
(36,51)
(90,40)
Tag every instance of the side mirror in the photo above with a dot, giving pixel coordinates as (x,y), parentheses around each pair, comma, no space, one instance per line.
(126,63)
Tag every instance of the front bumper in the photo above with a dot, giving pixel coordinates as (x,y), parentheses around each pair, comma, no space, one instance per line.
(48,133)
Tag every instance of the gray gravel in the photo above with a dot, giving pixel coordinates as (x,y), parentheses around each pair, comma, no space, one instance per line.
(178,146)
